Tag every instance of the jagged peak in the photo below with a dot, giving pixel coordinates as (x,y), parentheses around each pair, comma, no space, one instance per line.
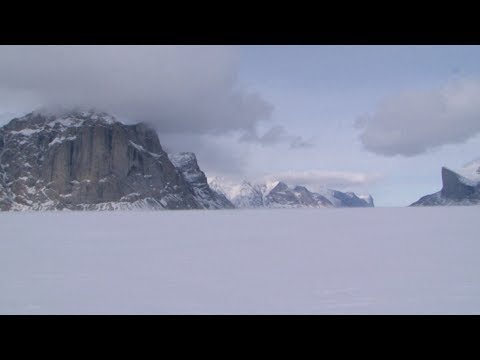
(280,186)
(244,194)
(270,185)
(455,186)
(300,188)
(450,177)
(456,190)
(222,182)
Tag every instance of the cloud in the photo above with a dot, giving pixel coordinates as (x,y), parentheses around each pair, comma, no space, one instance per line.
(215,154)
(190,94)
(6,116)
(298,142)
(276,135)
(177,89)
(315,179)
(415,122)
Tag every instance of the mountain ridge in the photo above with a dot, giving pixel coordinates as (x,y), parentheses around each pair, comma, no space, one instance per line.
(456,190)
(85,159)
(88,160)
(277,194)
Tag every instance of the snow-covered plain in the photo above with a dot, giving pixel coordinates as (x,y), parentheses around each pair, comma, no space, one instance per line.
(290,261)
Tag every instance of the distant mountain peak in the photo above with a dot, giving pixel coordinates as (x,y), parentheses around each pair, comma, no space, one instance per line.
(456,185)
(275,194)
(279,186)
(456,190)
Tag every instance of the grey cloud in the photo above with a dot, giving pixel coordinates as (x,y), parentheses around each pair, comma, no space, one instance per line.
(276,135)
(215,154)
(315,179)
(412,123)
(177,89)
(189,94)
(298,142)
(6,116)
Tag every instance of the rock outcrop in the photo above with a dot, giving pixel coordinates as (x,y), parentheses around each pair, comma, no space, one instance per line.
(299,196)
(186,163)
(456,190)
(87,160)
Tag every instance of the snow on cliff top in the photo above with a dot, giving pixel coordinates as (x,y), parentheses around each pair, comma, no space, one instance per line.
(76,113)
(471,170)
(45,119)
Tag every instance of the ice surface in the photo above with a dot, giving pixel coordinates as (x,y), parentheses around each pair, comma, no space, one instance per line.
(302,261)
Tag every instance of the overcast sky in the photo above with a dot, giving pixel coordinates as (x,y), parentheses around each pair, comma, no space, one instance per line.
(377,119)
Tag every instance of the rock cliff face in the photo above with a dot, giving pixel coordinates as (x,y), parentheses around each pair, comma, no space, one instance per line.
(186,163)
(87,160)
(456,190)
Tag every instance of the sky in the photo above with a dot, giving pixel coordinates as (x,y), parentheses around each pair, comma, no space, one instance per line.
(371,119)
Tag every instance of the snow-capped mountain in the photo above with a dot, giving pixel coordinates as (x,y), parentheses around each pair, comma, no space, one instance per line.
(274,194)
(243,195)
(347,199)
(186,163)
(456,189)
(87,160)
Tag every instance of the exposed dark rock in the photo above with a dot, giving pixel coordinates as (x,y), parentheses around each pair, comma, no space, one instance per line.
(456,190)
(350,199)
(87,160)
(454,186)
(187,164)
